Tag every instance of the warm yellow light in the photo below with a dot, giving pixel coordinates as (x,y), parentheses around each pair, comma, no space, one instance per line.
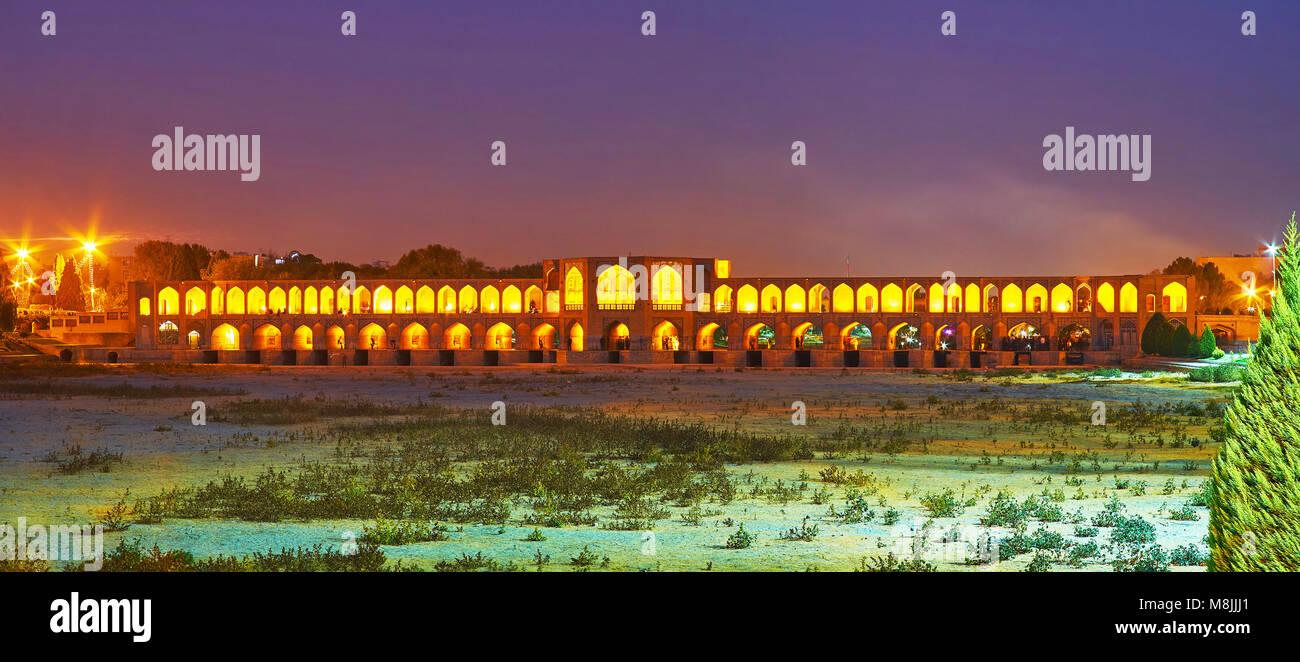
(22,253)
(89,246)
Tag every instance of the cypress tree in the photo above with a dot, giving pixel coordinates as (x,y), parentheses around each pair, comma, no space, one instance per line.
(1207,345)
(1182,342)
(1155,336)
(1255,480)
(69,295)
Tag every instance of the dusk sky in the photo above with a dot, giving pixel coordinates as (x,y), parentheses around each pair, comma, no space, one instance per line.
(924,152)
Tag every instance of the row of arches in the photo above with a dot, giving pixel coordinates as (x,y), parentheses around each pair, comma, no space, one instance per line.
(329,300)
(892,298)
(499,336)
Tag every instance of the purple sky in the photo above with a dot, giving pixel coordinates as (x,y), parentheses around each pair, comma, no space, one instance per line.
(924,152)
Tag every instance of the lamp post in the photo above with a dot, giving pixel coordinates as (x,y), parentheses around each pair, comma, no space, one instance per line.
(89,247)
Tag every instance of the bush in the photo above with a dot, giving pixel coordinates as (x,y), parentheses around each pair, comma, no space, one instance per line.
(1157,336)
(1217,374)
(1133,531)
(1183,343)
(1188,554)
(740,539)
(1207,347)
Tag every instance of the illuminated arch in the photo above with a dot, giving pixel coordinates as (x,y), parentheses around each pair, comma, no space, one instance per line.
(705,338)
(1036,300)
(868,298)
(425,300)
(936,298)
(500,336)
(266,336)
(456,337)
(904,336)
(302,337)
(334,337)
(326,300)
(372,336)
(760,336)
(218,297)
(543,337)
(403,300)
(952,300)
(195,301)
(770,300)
(1128,298)
(665,336)
(295,300)
(856,336)
(256,302)
(617,336)
(1174,297)
(891,299)
(467,299)
(576,342)
(1062,299)
(972,298)
(511,300)
(311,300)
(945,338)
(573,289)
(794,299)
(1106,297)
(344,301)
(361,300)
(276,301)
(489,300)
(1083,298)
(981,339)
(615,285)
(235,301)
(446,299)
(747,299)
(722,299)
(383,300)
(169,301)
(414,336)
(533,300)
(991,298)
(842,299)
(1012,299)
(807,336)
(144,305)
(914,292)
(666,286)
(225,337)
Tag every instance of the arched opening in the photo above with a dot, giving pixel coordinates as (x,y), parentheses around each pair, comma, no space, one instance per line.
(944,338)
(747,299)
(276,301)
(383,300)
(144,306)
(916,299)
(1106,297)
(414,336)
(1036,298)
(446,299)
(1223,336)
(615,287)
(1083,298)
(544,337)
(722,299)
(665,336)
(425,300)
(1128,298)
(500,336)
(981,339)
(856,336)
(1012,299)
(1151,303)
(168,301)
(904,336)
(195,301)
(992,298)
(403,300)
(456,337)
(576,337)
(373,336)
(334,337)
(760,336)
(573,289)
(266,336)
(807,336)
(617,336)
(1062,298)
(302,338)
(327,301)
(295,301)
(1074,337)
(842,299)
(794,299)
(707,338)
(256,302)
(1023,337)
(168,333)
(467,299)
(533,299)
(770,300)
(489,300)
(218,297)
(819,299)
(972,298)
(310,301)
(511,300)
(1174,298)
(235,301)
(361,300)
(868,297)
(192,339)
(936,298)
(666,285)
(225,337)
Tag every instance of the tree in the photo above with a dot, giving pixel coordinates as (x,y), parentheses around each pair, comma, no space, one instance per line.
(8,305)
(1182,343)
(164,260)
(1157,336)
(1213,290)
(69,296)
(1255,479)
(1207,345)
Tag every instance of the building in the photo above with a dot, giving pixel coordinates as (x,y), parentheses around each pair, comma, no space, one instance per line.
(645,309)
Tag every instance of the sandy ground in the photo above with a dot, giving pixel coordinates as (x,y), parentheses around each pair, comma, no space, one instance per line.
(162,449)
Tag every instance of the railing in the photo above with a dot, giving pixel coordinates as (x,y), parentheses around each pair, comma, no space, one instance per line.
(573,306)
(615,306)
(667,305)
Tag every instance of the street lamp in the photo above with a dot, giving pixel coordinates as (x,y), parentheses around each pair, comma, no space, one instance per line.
(89,247)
